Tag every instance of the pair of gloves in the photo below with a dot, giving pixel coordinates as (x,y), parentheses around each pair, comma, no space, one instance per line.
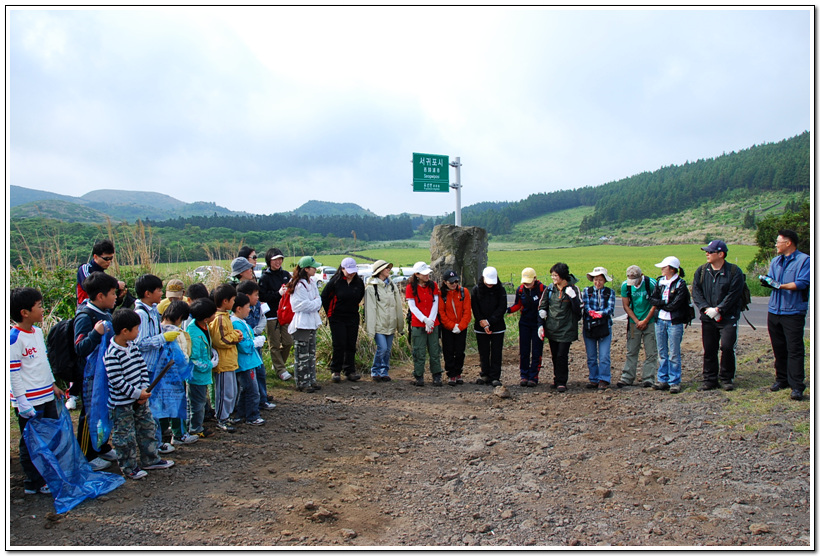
(769,282)
(712,313)
(429,324)
(258,341)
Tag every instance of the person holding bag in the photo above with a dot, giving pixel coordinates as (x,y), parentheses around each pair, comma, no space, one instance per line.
(599,305)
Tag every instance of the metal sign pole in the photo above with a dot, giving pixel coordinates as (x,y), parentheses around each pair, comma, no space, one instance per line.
(457,186)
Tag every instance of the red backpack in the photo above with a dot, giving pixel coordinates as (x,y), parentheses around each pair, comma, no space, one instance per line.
(284,313)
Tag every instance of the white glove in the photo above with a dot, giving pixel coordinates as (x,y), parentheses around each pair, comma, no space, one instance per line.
(543,314)
(541,333)
(28,413)
(456,329)
(258,341)
(570,292)
(429,322)
(214,358)
(283,289)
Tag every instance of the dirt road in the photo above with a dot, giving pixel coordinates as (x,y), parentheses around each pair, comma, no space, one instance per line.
(389,464)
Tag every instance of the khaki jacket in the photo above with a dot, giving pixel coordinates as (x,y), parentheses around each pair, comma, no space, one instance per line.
(224,338)
(383,308)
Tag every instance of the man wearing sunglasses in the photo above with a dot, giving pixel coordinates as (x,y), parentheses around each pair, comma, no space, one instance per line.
(717,289)
(101,256)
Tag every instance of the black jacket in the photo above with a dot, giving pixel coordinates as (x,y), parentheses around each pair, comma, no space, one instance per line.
(341,299)
(269,285)
(678,305)
(489,304)
(718,288)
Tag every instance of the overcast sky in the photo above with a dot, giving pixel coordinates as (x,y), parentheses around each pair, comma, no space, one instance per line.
(263,109)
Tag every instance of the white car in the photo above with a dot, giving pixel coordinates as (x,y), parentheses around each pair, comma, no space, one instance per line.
(203,271)
(257,270)
(365,271)
(323,274)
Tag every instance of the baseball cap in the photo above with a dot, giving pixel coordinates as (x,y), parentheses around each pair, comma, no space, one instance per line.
(451,276)
(240,265)
(490,275)
(174,288)
(669,261)
(598,271)
(349,264)
(633,275)
(421,268)
(308,262)
(276,254)
(527,275)
(715,246)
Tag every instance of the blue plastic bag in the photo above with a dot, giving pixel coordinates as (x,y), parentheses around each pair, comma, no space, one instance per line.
(57,456)
(95,388)
(168,396)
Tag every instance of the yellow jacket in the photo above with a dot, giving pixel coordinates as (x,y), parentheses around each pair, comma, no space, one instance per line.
(224,339)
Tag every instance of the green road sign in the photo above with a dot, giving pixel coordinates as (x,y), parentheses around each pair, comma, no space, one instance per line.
(431,172)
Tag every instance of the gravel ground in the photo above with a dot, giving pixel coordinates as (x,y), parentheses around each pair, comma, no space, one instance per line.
(389,464)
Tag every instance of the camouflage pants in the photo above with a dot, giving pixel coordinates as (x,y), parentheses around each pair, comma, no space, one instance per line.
(133,429)
(304,357)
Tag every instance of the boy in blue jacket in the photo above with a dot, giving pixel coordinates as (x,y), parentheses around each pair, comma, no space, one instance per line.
(247,406)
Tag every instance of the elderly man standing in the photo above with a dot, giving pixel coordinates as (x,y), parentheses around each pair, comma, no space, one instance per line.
(789,277)
(640,328)
(717,290)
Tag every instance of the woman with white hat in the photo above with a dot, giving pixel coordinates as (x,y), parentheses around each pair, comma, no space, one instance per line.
(341,298)
(671,297)
(422,295)
(599,305)
(383,317)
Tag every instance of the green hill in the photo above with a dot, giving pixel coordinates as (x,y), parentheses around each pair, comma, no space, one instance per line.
(327,208)
(66,211)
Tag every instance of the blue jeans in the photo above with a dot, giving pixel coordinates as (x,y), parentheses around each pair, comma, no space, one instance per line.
(197,396)
(247,405)
(598,361)
(381,361)
(261,383)
(668,336)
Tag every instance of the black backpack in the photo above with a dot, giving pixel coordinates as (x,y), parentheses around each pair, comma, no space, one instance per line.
(61,355)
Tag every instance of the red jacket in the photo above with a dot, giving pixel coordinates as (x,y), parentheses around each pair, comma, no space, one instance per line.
(455,309)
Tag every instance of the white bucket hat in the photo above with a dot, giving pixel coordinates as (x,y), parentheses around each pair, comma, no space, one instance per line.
(599,271)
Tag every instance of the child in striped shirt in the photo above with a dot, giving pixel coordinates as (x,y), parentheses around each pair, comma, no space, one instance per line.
(133,426)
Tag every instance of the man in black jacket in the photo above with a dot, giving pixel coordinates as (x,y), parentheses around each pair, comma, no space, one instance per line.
(270,291)
(717,288)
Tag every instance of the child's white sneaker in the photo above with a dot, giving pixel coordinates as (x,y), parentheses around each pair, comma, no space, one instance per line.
(284,375)
(165,448)
(98,464)
(137,474)
(185,439)
(161,464)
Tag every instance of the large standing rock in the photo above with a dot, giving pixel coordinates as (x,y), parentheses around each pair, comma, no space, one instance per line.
(460,248)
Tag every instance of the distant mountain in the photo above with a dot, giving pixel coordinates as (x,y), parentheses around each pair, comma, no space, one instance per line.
(117,204)
(327,208)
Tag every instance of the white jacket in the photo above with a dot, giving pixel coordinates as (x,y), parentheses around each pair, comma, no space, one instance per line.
(305,302)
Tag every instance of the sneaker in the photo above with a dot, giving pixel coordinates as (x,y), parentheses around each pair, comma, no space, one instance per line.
(532,384)
(257,421)
(674,389)
(137,474)
(235,420)
(268,405)
(71,403)
(482,379)
(284,375)
(561,388)
(437,380)
(496,383)
(336,377)
(185,439)
(591,385)
(796,395)
(603,385)
(648,384)
(778,386)
(226,426)
(205,433)
(418,381)
(110,455)
(459,380)
(353,377)
(98,464)
(662,386)
(452,381)
(523,383)
(161,464)
(706,386)
(727,386)
(620,384)
(42,490)
(165,448)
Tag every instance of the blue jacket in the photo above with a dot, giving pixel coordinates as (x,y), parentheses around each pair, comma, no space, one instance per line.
(794,268)
(86,339)
(248,357)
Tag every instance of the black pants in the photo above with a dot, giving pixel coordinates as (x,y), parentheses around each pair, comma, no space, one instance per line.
(530,348)
(33,479)
(786,333)
(723,337)
(490,351)
(452,347)
(344,337)
(560,362)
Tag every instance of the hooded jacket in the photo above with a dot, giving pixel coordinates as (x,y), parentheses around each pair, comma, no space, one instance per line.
(563,312)
(383,307)
(455,308)
(489,304)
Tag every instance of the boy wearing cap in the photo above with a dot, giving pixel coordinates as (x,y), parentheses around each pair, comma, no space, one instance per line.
(174,289)
(454,312)
(271,284)
(383,317)
(341,298)
(489,307)
(640,327)
(717,288)
(530,346)
(599,305)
